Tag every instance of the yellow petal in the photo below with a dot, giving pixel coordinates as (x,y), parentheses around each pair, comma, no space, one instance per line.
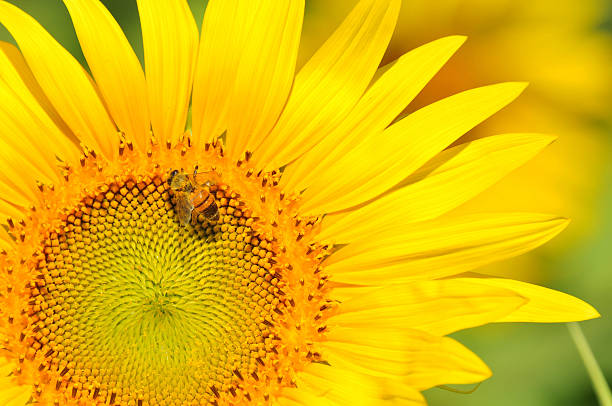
(170,38)
(287,401)
(544,305)
(382,103)
(216,67)
(64,81)
(324,385)
(12,394)
(298,397)
(6,242)
(245,69)
(65,147)
(331,83)
(6,367)
(344,177)
(328,385)
(114,66)
(439,248)
(265,75)
(12,211)
(29,140)
(398,393)
(437,307)
(18,176)
(26,127)
(451,178)
(419,359)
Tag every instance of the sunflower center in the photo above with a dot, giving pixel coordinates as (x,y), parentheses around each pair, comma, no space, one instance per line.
(131,306)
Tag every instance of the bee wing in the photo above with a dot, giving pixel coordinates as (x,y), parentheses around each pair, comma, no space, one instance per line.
(183,208)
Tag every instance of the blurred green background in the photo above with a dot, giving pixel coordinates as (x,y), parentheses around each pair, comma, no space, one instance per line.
(534,365)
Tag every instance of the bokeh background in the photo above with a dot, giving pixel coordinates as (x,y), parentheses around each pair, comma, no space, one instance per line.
(564,49)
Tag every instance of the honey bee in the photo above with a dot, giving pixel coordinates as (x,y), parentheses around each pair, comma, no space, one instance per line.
(191,195)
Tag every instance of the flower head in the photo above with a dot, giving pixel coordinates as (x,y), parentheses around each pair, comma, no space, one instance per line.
(300,256)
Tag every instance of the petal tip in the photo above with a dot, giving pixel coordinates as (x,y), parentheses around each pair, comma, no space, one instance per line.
(592,314)
(563,222)
(538,140)
(519,87)
(454,42)
(547,138)
(585,311)
(459,39)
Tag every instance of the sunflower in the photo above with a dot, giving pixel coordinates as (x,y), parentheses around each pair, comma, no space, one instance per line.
(316,267)
(558,47)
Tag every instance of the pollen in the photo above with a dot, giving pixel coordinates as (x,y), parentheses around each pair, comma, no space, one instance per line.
(114,301)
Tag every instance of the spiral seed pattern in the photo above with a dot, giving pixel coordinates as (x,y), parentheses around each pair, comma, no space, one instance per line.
(130,307)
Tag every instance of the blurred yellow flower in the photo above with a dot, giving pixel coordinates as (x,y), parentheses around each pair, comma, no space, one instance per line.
(557,48)
(304,258)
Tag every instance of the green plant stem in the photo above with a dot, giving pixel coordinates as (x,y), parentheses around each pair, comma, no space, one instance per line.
(602,390)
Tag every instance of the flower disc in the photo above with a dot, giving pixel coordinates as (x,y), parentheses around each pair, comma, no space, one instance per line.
(160,306)
(127,305)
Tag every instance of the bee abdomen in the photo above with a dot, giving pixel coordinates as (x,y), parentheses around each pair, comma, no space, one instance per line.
(205,203)
(211,212)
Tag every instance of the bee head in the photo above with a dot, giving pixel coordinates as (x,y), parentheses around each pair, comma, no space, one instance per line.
(173,173)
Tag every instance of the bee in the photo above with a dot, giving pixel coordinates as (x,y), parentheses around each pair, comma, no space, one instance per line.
(191,195)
